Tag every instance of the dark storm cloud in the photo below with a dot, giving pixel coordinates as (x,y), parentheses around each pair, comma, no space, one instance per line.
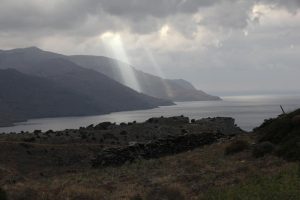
(158,8)
(291,5)
(33,15)
(140,15)
(188,38)
(38,15)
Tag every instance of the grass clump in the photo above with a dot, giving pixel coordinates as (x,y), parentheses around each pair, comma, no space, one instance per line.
(3,195)
(284,185)
(284,132)
(236,147)
(136,197)
(262,149)
(166,193)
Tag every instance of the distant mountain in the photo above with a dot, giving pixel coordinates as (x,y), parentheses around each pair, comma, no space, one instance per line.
(175,90)
(52,85)
(50,75)
(23,96)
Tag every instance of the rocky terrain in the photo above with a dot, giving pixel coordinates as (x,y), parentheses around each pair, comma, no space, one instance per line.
(107,143)
(162,158)
(112,144)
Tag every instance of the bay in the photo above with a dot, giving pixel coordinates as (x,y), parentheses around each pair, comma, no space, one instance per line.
(248,111)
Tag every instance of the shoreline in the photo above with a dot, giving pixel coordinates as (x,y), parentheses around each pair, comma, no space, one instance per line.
(248,112)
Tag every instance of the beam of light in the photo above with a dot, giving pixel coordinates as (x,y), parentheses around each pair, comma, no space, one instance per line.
(115,44)
(159,72)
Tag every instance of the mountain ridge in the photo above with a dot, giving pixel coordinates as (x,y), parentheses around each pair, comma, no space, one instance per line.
(149,83)
(104,95)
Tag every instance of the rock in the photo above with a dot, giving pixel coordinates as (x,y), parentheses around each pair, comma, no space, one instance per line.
(103,126)
(224,125)
(169,120)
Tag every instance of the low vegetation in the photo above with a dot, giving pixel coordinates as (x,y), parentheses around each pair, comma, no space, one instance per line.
(187,175)
(263,148)
(164,192)
(244,166)
(284,132)
(236,147)
(284,185)
(3,195)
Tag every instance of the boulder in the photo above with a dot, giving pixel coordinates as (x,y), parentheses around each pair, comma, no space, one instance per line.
(103,126)
(169,120)
(224,125)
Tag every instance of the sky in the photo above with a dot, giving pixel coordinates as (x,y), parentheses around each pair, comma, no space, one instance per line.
(221,46)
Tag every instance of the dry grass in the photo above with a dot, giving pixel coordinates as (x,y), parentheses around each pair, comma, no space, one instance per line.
(191,174)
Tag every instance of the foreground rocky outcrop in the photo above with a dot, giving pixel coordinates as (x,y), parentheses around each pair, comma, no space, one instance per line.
(214,163)
(176,134)
(111,144)
(224,125)
(154,149)
(217,161)
(284,133)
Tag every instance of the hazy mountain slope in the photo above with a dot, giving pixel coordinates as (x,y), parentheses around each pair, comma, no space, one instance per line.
(176,90)
(103,93)
(23,96)
(23,58)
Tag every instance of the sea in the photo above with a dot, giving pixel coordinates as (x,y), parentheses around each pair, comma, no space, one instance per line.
(248,111)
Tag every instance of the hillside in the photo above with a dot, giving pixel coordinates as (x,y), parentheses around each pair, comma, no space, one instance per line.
(94,91)
(175,90)
(108,94)
(284,133)
(163,158)
(24,96)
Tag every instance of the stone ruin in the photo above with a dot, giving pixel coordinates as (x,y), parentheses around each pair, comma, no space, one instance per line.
(154,149)
(224,125)
(169,120)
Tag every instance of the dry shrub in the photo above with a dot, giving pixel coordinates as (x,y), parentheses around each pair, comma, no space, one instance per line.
(136,197)
(3,195)
(236,147)
(262,149)
(166,193)
(24,194)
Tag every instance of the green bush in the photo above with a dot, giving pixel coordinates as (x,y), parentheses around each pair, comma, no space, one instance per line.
(236,147)
(285,185)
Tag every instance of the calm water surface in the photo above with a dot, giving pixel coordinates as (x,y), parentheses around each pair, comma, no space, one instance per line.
(249,112)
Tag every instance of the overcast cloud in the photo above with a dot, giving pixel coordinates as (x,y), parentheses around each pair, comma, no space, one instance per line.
(221,46)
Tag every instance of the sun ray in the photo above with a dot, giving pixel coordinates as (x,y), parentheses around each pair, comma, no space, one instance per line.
(115,44)
(159,72)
